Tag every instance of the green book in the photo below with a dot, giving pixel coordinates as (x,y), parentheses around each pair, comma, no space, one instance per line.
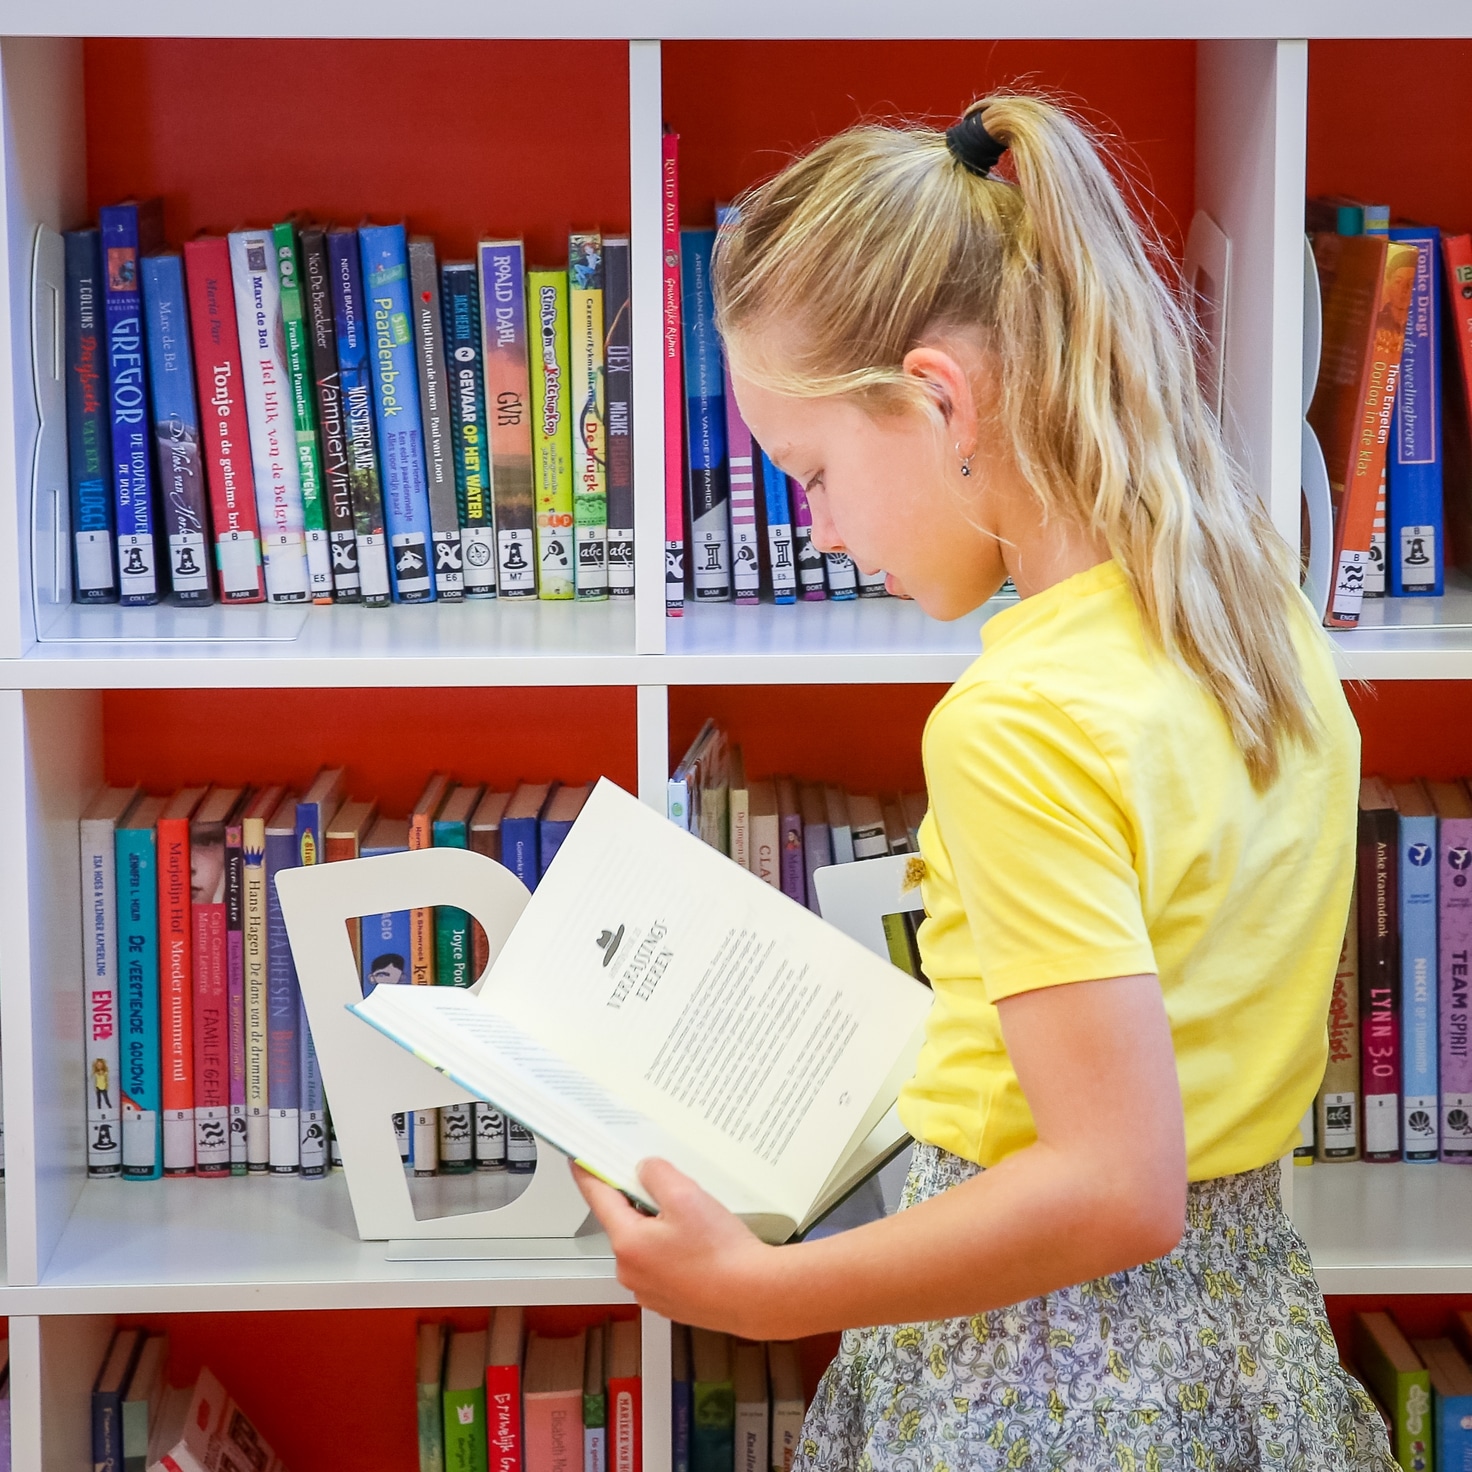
(464,1402)
(453,966)
(304,410)
(899,938)
(429,1397)
(552,464)
(1393,1370)
(713,1420)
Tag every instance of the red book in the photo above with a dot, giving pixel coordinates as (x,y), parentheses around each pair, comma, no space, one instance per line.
(211,968)
(674,384)
(503,1391)
(552,1403)
(222,423)
(176,980)
(625,1398)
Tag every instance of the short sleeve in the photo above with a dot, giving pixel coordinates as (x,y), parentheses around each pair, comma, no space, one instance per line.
(1037,839)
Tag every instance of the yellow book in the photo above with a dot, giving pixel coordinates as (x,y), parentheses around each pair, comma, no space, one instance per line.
(552,466)
(589,446)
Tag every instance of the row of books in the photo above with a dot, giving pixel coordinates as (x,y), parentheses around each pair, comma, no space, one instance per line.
(309,413)
(199,1059)
(1391,404)
(1422,1388)
(142,1423)
(742,526)
(737,1405)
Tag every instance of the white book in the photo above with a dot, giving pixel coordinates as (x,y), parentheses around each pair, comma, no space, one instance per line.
(840,833)
(738,808)
(753,1450)
(789,1406)
(425,1149)
(215,1434)
(102,1079)
(866,822)
(654,999)
(269,413)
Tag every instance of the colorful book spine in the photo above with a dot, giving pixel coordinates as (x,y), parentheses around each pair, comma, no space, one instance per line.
(1454,966)
(1420,1104)
(235,986)
(226,435)
(741,457)
(505,353)
(137,888)
(88,425)
(618,369)
(1380,1043)
(437,420)
(128,231)
(269,414)
(296,335)
(176,993)
(337,489)
(211,966)
(841,575)
(355,382)
(1337,1121)
(396,410)
(1413,464)
(176,429)
(674,390)
(705,418)
(503,1418)
(256,946)
(782,566)
(551,433)
(283,1011)
(809,559)
(789,817)
(470,443)
(589,418)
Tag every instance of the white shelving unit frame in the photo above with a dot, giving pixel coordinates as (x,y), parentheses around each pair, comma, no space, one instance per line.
(171,1245)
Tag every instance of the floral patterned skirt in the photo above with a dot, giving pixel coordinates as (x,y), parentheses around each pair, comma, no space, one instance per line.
(1214,1358)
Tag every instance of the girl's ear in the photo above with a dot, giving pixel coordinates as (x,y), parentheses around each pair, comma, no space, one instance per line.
(946,383)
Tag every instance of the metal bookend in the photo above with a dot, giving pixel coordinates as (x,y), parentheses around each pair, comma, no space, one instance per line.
(367,1077)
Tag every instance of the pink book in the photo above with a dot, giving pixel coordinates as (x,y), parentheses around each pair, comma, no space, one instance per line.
(742,476)
(674,386)
(235,979)
(552,1403)
(810,581)
(1454,965)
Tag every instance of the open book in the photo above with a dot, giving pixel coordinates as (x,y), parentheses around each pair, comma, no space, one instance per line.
(655,999)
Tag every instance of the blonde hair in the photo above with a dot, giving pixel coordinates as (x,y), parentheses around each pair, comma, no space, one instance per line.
(880,236)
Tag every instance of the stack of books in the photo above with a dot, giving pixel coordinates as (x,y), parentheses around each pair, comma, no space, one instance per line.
(737,1406)
(315,414)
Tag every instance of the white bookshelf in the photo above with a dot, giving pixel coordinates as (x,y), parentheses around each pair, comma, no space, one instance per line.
(76,1253)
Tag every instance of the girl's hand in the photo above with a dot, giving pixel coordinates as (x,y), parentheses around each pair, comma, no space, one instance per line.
(695,1262)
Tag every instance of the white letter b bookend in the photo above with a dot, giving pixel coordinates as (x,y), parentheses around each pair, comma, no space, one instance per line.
(366,1077)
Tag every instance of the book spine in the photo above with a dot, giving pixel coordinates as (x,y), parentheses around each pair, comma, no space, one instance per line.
(625,1425)
(503,1418)
(355,381)
(787,1419)
(127,376)
(872,584)
(100,967)
(396,411)
(520,848)
(88,429)
(595,1434)
(255,946)
(1379,990)
(211,1008)
(337,489)
(424,1142)
(618,367)
(437,422)
(508,415)
(589,419)
(226,436)
(430,1415)
(176,429)
(470,444)
(1413,465)
(235,988)
(552,433)
(176,999)
(1420,1105)
(682,1411)
(753,1449)
(1337,1121)
(674,380)
(710,519)
(107,1431)
(283,1005)
(385,944)
(267,390)
(303,411)
(1454,967)
(465,1430)
(842,576)
(137,885)
(741,457)
(490,1123)
(312,1121)
(713,1427)
(808,558)
(780,562)
(794,878)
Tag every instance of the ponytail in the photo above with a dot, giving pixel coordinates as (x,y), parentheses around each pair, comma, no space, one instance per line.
(883,235)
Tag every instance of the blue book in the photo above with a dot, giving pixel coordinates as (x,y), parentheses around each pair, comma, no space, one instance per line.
(521,830)
(142,1063)
(283,1003)
(1451,1396)
(682,1398)
(780,563)
(182,495)
(1420,1005)
(705,416)
(558,816)
(385,943)
(108,1391)
(396,409)
(129,231)
(88,424)
(355,383)
(1416,531)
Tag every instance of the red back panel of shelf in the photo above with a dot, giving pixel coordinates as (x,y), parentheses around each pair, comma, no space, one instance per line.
(1414,728)
(389,740)
(465,138)
(1421,166)
(743,108)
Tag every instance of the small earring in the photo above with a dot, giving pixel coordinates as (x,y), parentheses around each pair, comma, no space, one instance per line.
(965,460)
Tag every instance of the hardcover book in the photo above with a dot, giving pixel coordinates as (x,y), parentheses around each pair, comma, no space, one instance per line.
(235,977)
(766,844)
(552,1402)
(1451,1400)
(817,850)
(551,432)
(793,862)
(108,1391)
(509,414)
(713,1411)
(255,946)
(429,1397)
(1380,1037)
(1419,1003)
(625,1398)
(705,417)
(520,835)
(586,403)
(1394,1372)
(789,1405)
(470,442)
(88,424)
(753,1428)
(503,1390)
(225,433)
(142,1084)
(465,1403)
(435,398)
(674,378)
(1454,965)
(595,1402)
(386,936)
(176,979)
(618,362)
(283,1000)
(681,1398)
(558,816)
(1337,1116)
(782,567)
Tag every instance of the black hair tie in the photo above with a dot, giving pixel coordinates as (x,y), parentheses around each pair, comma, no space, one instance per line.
(973,147)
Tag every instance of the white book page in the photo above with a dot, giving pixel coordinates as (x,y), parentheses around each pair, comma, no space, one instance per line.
(703,998)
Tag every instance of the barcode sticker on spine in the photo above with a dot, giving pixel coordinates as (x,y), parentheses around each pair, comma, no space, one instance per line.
(1349,585)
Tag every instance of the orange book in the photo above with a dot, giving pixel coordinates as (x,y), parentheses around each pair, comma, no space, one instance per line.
(176,980)
(625,1398)
(552,1403)
(344,840)
(421,921)
(1367,283)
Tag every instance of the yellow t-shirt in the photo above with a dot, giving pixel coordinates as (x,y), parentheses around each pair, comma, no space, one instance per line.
(1091,817)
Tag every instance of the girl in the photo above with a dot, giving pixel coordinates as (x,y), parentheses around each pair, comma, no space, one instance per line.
(1137,857)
